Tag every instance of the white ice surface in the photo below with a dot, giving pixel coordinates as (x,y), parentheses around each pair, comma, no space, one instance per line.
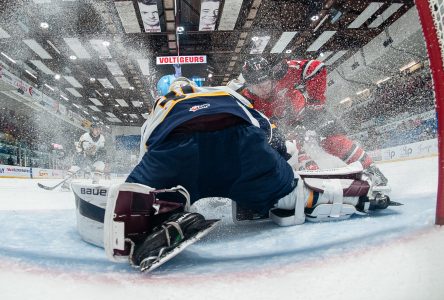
(395,253)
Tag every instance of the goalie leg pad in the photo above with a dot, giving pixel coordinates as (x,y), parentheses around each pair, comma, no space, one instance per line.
(132,212)
(329,212)
(321,199)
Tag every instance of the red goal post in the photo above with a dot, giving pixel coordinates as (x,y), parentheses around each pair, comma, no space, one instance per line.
(431,14)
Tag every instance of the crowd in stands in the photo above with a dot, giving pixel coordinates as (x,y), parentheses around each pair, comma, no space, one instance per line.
(396,101)
(24,142)
(406,93)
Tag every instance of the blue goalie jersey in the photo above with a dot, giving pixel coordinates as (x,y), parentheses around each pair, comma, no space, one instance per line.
(188,102)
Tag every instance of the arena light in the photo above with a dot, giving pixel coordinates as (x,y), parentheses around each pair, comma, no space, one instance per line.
(37,48)
(73,57)
(180,30)
(94,108)
(96,101)
(105,83)
(100,47)
(114,68)
(73,81)
(74,92)
(382,80)
(4,34)
(44,25)
(49,87)
(314,18)
(8,57)
(123,82)
(410,64)
(321,40)
(53,46)
(348,99)
(77,47)
(57,76)
(42,67)
(385,15)
(368,12)
(365,91)
(30,74)
(324,55)
(283,41)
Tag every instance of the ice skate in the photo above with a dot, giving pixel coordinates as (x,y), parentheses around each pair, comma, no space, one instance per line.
(379,192)
(243,215)
(169,239)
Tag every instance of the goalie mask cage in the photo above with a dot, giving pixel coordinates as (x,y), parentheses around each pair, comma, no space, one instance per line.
(431,14)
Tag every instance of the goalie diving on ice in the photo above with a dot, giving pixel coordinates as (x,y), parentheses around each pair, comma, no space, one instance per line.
(210,142)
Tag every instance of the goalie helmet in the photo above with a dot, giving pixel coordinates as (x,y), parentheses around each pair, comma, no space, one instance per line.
(164,83)
(180,82)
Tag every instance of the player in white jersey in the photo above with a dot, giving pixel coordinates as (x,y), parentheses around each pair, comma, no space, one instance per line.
(90,155)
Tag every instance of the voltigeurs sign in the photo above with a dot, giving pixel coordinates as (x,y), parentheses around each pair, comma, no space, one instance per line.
(185,59)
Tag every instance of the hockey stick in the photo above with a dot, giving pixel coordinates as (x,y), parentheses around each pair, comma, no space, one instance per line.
(50,188)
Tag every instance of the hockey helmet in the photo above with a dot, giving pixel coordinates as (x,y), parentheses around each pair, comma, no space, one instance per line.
(256,70)
(180,82)
(164,83)
(279,70)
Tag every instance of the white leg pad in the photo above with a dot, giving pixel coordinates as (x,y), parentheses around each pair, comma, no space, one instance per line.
(333,194)
(322,213)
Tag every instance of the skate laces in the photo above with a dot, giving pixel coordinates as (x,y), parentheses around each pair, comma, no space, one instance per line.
(147,262)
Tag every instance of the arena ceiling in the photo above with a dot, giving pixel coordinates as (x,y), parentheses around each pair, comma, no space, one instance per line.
(106,56)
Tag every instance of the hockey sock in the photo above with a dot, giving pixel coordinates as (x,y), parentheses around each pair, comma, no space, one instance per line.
(345,149)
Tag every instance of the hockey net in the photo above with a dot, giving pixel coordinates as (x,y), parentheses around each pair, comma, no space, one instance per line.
(431,14)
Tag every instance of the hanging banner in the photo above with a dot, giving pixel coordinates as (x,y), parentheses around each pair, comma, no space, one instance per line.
(186,59)
(209,11)
(149,13)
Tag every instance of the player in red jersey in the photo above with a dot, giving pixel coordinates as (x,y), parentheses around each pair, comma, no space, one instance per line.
(292,94)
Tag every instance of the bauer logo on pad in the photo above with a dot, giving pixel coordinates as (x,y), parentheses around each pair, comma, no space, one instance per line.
(91,191)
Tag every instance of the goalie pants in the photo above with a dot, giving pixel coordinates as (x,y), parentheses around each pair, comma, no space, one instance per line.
(235,163)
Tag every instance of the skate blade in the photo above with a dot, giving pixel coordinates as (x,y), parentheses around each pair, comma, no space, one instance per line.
(393,203)
(173,252)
